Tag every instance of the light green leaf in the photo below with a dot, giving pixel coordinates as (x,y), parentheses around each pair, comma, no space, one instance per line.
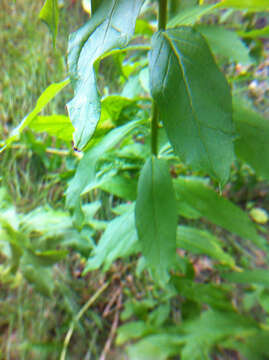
(111,26)
(256,33)
(215,208)
(202,242)
(190,15)
(48,94)
(257,276)
(155,347)
(50,15)
(54,125)
(250,5)
(156,217)
(226,43)
(85,174)
(194,100)
(118,241)
(132,330)
(253,130)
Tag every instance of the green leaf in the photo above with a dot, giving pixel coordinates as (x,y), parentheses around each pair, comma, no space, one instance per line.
(213,295)
(190,15)
(202,242)
(251,5)
(118,241)
(40,277)
(85,174)
(210,329)
(50,15)
(215,208)
(155,347)
(257,276)
(253,130)
(54,125)
(256,33)
(226,43)
(111,26)
(121,186)
(156,217)
(132,330)
(193,99)
(48,94)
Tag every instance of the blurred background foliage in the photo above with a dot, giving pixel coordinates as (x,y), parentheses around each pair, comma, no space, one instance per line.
(43,254)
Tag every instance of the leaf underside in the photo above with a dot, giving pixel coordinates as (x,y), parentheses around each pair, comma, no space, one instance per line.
(111,26)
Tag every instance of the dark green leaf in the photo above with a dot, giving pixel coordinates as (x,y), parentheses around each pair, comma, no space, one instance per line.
(111,26)
(253,130)
(194,100)
(209,329)
(215,208)
(121,186)
(156,217)
(50,15)
(210,294)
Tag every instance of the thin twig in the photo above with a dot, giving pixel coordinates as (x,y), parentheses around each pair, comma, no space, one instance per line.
(77,318)
(113,329)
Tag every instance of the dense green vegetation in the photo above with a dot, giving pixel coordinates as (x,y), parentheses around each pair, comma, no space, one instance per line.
(133,224)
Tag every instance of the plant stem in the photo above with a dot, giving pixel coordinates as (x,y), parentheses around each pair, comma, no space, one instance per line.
(162,17)
(162,14)
(154,130)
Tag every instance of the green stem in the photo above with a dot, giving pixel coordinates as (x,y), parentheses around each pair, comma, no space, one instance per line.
(154,130)
(162,18)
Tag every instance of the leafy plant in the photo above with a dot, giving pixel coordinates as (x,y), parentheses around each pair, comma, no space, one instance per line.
(159,147)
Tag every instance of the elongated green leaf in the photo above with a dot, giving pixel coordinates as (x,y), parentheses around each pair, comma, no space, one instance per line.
(226,43)
(194,100)
(118,241)
(251,5)
(50,15)
(47,95)
(215,208)
(85,174)
(256,33)
(190,15)
(54,125)
(257,276)
(252,145)
(111,26)
(156,217)
(202,242)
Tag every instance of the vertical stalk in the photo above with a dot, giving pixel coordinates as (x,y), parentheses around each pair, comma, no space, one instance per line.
(162,18)
(162,14)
